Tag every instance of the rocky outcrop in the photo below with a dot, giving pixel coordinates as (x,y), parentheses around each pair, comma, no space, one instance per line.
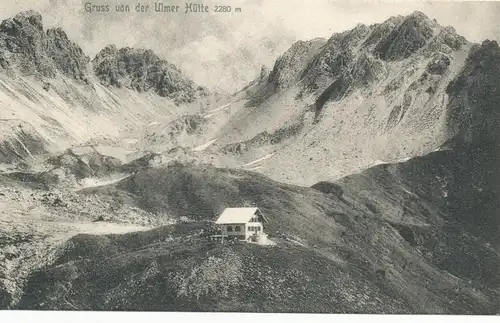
(264,138)
(142,70)
(83,162)
(175,133)
(25,46)
(439,64)
(264,72)
(21,42)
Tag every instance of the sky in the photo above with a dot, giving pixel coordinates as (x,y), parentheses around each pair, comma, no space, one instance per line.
(225,51)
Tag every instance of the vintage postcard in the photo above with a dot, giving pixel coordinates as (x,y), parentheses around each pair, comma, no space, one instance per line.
(259,156)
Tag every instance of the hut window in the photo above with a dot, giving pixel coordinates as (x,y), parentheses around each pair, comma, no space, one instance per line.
(258,228)
(237,228)
(249,228)
(229,228)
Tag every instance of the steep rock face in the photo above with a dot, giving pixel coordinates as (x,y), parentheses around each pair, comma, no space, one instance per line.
(23,43)
(381,31)
(67,56)
(142,71)
(288,67)
(473,124)
(287,70)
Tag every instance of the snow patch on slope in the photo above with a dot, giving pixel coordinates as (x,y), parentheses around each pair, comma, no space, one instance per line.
(205,145)
(258,160)
(96,182)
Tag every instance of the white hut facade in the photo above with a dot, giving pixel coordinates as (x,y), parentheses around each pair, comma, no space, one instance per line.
(242,223)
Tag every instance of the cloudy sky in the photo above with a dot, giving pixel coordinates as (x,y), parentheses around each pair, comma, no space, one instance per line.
(225,50)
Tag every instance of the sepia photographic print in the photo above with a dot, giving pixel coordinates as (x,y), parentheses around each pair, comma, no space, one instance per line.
(259,156)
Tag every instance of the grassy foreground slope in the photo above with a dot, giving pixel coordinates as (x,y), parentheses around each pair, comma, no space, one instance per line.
(335,253)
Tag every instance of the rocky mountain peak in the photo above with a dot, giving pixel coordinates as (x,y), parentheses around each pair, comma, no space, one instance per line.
(418,15)
(25,46)
(358,57)
(28,18)
(142,70)
(22,32)
(409,36)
